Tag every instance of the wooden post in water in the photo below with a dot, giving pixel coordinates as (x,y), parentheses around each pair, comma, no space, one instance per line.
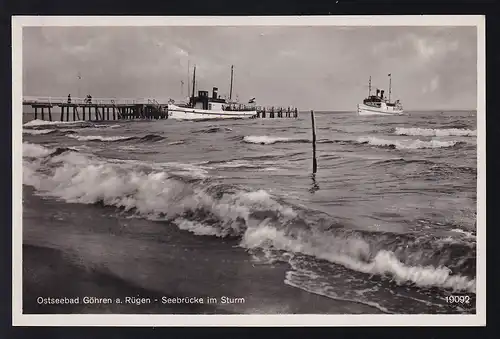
(36,113)
(315,165)
(43,113)
(62,113)
(50,113)
(67,113)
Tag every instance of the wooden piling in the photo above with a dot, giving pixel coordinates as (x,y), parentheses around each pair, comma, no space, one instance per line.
(62,113)
(43,113)
(67,113)
(36,113)
(315,165)
(50,113)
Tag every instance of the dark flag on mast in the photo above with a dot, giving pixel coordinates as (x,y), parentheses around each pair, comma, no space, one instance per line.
(389,74)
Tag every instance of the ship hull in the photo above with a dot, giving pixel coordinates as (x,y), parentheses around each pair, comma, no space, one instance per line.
(187,113)
(369,110)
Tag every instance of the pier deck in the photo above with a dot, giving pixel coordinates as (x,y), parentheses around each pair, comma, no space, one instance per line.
(105,109)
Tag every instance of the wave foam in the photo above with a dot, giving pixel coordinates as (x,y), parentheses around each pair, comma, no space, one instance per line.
(429,132)
(267,140)
(38,122)
(356,254)
(38,131)
(407,144)
(98,138)
(260,220)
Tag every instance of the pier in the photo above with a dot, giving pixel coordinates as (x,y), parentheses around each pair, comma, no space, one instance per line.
(95,110)
(109,109)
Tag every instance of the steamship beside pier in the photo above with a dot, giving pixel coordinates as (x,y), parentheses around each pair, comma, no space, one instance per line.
(378,104)
(205,107)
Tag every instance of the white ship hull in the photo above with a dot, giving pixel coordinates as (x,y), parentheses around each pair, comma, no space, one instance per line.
(384,110)
(187,113)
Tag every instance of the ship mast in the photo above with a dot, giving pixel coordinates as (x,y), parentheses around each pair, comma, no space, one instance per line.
(194,80)
(390,83)
(188,80)
(370,86)
(231,86)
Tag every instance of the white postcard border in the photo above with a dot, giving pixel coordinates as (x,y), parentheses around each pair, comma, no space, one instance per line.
(19,319)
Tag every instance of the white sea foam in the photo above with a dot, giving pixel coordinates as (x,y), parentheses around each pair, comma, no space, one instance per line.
(107,126)
(465,233)
(353,254)
(263,139)
(217,211)
(38,122)
(97,137)
(429,132)
(34,150)
(407,144)
(37,131)
(237,164)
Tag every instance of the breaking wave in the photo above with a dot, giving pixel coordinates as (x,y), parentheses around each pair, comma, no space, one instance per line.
(99,138)
(149,137)
(407,144)
(430,132)
(38,131)
(48,131)
(206,207)
(266,140)
(179,142)
(38,122)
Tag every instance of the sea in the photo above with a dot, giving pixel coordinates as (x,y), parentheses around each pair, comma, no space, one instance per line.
(229,212)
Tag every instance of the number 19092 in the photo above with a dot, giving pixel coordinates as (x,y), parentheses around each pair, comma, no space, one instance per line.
(458,299)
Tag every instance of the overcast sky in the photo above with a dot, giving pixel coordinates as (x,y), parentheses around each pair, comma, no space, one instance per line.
(321,68)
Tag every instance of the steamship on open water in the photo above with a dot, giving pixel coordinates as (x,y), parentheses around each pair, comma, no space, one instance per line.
(378,104)
(205,107)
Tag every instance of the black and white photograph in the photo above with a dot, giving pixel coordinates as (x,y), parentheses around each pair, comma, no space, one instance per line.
(263,167)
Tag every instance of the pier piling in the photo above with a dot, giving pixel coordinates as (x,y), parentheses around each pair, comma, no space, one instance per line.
(315,164)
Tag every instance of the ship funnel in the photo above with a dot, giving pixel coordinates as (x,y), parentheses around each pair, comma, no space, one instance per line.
(378,91)
(382,94)
(214,92)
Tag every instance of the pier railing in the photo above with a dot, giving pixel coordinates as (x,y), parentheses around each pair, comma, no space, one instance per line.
(28,100)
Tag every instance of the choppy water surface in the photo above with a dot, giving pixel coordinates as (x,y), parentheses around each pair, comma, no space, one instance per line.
(231,207)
